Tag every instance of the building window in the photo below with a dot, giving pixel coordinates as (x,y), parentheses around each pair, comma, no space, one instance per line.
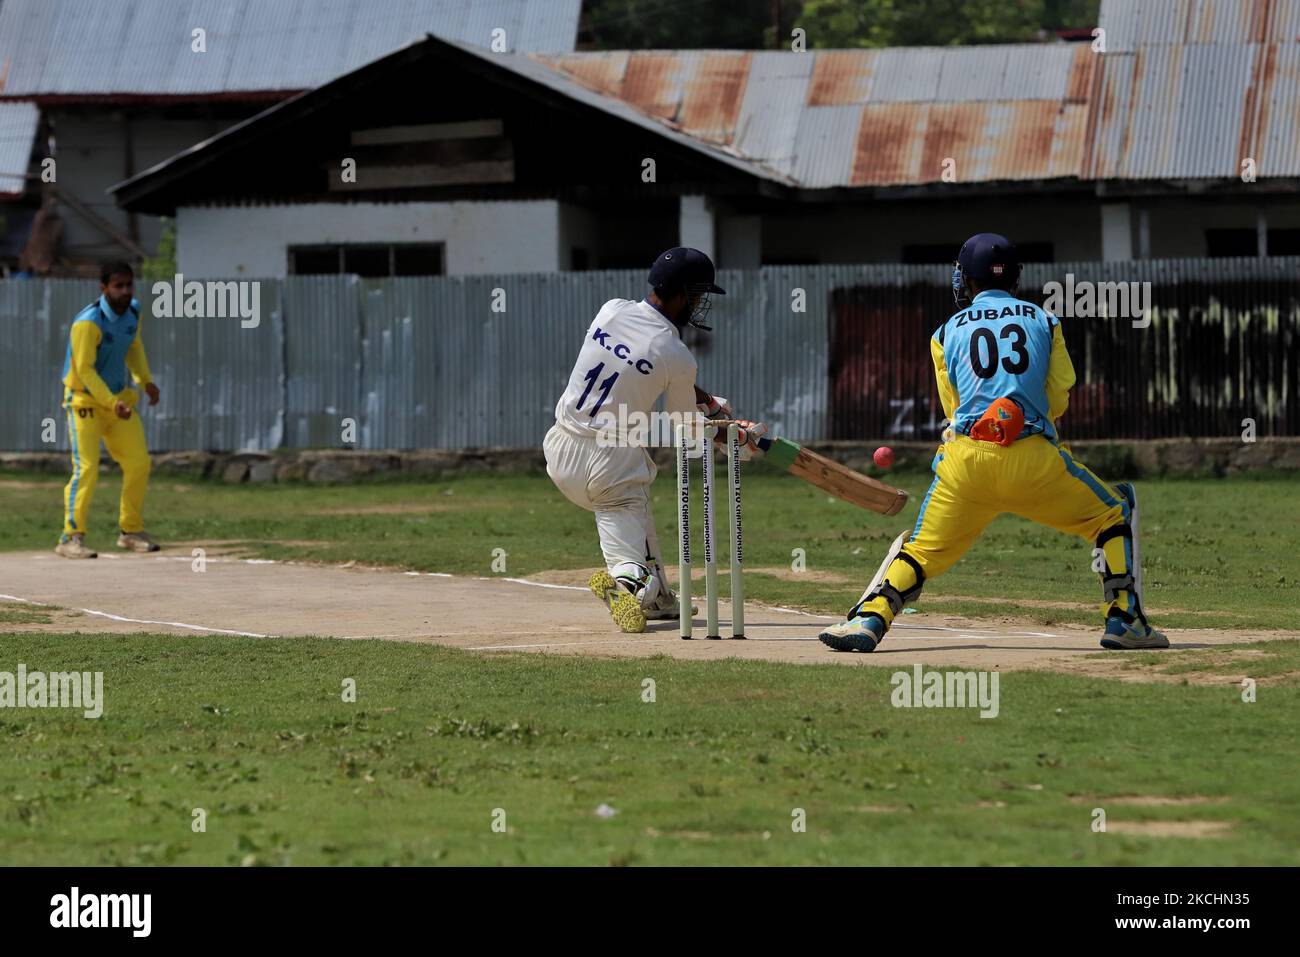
(1224,243)
(1036,252)
(1284,242)
(369,260)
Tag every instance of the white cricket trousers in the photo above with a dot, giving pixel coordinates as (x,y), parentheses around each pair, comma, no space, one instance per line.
(614,483)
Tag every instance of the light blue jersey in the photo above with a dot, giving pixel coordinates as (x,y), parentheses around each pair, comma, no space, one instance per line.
(999,346)
(117,334)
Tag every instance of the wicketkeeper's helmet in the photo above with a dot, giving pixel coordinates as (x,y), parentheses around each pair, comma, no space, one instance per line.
(988,258)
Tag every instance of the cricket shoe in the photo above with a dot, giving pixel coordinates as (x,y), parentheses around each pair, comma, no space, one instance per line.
(137,542)
(623,606)
(860,633)
(1120,634)
(74,546)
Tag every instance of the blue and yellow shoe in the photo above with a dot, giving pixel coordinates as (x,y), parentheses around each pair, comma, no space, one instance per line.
(622,604)
(861,633)
(1120,634)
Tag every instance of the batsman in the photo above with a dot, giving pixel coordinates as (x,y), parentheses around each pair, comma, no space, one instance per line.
(1004,378)
(633,354)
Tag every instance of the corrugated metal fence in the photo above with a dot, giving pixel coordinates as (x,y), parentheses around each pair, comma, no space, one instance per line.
(816,351)
(1221,344)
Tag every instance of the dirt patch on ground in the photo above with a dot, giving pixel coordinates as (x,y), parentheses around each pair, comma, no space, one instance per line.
(24,483)
(1147,800)
(390,508)
(233,595)
(1170,828)
(1228,667)
(574,576)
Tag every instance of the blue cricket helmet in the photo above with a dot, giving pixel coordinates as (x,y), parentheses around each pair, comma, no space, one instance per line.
(683,269)
(988,258)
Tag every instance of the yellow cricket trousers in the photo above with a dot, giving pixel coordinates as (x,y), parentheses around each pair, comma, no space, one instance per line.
(975,481)
(124,438)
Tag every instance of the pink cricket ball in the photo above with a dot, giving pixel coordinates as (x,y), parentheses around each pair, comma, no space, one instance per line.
(884,456)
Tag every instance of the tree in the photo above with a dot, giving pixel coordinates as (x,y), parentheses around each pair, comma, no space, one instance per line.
(681,24)
(833,24)
(830,24)
(163,264)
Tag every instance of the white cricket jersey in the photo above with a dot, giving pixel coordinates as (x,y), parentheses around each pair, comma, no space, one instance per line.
(631,355)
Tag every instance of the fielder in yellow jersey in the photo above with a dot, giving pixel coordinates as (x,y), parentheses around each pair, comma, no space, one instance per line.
(1004,378)
(103,345)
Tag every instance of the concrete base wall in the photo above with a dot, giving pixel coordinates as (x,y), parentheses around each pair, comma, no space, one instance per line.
(1112,460)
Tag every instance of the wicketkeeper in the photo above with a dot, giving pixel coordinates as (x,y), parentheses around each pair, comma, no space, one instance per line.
(1004,378)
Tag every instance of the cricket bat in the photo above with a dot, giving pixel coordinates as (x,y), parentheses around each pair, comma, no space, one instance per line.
(828,475)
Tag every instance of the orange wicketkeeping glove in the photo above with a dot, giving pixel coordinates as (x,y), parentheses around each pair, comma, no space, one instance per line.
(1002,423)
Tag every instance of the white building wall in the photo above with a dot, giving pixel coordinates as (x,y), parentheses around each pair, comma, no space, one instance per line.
(696,226)
(490,237)
(1116,232)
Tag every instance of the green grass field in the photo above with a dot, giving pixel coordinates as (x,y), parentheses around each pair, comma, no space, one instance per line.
(717,768)
(713,771)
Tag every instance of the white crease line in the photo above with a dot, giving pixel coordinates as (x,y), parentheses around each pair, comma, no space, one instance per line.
(517,581)
(703,641)
(173,624)
(970,633)
(949,631)
(806,614)
(966,635)
(958,632)
(524,581)
(142,621)
(26,601)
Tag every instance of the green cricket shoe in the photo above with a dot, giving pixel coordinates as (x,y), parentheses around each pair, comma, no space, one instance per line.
(859,633)
(1121,634)
(623,605)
